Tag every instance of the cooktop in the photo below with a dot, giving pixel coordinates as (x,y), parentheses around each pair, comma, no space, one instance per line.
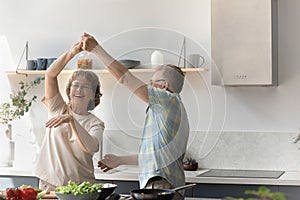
(232,173)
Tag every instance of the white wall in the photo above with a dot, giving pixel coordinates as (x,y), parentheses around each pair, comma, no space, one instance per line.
(53,26)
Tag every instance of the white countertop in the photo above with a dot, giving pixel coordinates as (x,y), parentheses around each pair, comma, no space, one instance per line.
(194,198)
(129,173)
(291,178)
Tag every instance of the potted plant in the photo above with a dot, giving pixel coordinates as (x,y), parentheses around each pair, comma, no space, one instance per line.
(190,164)
(263,193)
(17,105)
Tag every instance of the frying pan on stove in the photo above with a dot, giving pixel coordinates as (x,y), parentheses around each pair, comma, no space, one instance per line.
(150,194)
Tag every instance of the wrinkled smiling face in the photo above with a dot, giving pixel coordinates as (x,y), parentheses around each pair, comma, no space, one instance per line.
(157,80)
(81,92)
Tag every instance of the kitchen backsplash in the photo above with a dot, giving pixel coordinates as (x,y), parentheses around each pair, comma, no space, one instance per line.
(223,150)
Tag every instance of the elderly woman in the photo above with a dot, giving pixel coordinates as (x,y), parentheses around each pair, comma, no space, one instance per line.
(73,134)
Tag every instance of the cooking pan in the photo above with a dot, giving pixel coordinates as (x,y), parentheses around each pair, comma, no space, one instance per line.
(152,194)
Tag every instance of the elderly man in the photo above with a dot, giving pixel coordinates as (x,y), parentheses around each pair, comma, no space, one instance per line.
(166,127)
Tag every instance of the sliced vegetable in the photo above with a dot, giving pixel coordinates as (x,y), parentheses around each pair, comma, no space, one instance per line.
(42,194)
(79,188)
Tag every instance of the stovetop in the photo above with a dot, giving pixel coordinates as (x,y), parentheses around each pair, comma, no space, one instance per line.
(230,173)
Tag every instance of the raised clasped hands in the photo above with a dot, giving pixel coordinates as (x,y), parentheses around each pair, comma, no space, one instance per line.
(88,42)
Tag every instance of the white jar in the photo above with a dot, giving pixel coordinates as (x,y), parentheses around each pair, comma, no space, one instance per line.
(157,59)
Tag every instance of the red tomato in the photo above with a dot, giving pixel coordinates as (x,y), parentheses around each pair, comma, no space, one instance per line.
(28,194)
(17,193)
(10,192)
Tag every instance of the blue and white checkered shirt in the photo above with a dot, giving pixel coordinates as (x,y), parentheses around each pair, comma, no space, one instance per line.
(165,137)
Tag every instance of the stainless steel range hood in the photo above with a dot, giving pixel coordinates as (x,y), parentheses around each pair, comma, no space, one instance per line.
(244,42)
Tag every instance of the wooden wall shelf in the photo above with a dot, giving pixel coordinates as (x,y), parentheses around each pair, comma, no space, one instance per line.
(99,71)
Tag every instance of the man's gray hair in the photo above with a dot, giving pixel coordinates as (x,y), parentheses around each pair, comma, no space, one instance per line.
(174,76)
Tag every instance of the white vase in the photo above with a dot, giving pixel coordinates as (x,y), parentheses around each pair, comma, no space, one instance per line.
(157,59)
(7,152)
(7,146)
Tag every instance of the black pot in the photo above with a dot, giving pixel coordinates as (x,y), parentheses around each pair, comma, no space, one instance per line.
(106,190)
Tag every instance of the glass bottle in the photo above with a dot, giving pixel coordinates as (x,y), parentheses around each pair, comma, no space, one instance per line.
(85,60)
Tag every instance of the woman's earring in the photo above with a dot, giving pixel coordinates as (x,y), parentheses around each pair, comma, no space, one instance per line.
(91,104)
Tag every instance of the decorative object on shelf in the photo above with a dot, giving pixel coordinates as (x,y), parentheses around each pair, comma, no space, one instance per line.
(33,64)
(195,61)
(130,64)
(84,60)
(263,193)
(183,51)
(190,164)
(157,59)
(13,109)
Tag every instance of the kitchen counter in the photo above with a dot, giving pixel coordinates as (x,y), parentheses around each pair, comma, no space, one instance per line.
(291,178)
(52,196)
(129,173)
(200,199)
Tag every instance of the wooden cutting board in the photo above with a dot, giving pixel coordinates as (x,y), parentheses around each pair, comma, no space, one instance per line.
(50,196)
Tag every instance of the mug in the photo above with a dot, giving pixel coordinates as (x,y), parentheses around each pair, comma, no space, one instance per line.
(31,65)
(41,63)
(193,61)
(49,62)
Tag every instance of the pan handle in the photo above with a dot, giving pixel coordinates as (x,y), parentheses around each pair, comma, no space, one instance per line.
(185,187)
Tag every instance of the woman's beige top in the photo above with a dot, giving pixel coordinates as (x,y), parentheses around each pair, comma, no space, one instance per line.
(61,158)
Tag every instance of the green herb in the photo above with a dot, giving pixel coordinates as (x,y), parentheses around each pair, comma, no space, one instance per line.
(18,104)
(263,193)
(190,161)
(79,188)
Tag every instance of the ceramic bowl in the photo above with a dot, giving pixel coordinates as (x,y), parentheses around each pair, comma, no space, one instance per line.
(91,196)
(105,191)
(130,64)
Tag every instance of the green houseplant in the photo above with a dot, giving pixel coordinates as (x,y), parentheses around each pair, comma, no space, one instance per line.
(18,103)
(190,164)
(263,193)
